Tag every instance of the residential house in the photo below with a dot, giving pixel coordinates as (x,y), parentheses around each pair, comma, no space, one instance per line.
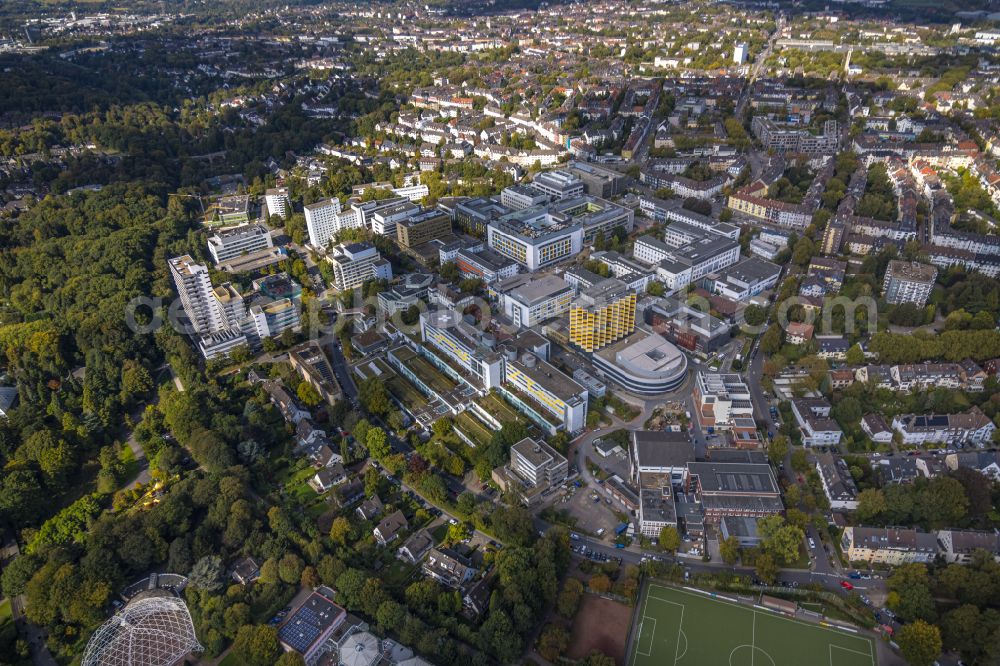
(841,379)
(327,478)
(477,596)
(370,509)
(798,333)
(876,428)
(286,404)
(348,493)
(898,469)
(888,545)
(414,548)
(838,484)
(388,530)
(8,399)
(832,347)
(986,463)
(813,418)
(971,427)
(959,545)
(448,567)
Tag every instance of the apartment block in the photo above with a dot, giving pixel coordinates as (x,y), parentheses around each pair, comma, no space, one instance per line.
(194,286)
(838,484)
(813,418)
(888,545)
(908,282)
(277,202)
(971,427)
(792,140)
(325,219)
(749,204)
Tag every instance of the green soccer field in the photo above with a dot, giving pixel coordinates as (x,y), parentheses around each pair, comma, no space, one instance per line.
(691,629)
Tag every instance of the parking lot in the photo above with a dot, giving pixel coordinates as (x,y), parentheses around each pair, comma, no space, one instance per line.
(592,516)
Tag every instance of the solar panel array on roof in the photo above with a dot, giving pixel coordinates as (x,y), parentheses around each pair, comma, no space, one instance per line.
(309,622)
(301,631)
(931,421)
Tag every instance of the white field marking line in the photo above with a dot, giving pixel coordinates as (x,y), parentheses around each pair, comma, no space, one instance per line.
(753,638)
(645,604)
(868,654)
(676,659)
(776,614)
(680,626)
(649,653)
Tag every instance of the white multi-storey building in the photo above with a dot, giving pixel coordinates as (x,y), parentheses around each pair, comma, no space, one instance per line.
(559,184)
(354,263)
(277,202)
(232,242)
(908,282)
(722,400)
(538,463)
(679,267)
(534,238)
(528,299)
(324,221)
(384,219)
(740,53)
(194,286)
(519,197)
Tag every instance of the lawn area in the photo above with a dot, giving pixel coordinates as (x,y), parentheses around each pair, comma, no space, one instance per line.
(406,393)
(472,428)
(298,488)
(499,408)
(437,380)
(397,573)
(677,626)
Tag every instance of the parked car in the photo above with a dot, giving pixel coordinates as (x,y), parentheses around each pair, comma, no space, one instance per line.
(855,575)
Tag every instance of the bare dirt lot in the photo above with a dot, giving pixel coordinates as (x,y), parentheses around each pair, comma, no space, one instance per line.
(600,624)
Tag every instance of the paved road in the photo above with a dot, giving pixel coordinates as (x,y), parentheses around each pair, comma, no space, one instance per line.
(331,344)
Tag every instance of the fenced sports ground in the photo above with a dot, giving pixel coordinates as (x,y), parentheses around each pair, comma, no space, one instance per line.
(677,627)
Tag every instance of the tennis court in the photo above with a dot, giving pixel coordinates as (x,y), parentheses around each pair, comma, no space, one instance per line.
(691,629)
